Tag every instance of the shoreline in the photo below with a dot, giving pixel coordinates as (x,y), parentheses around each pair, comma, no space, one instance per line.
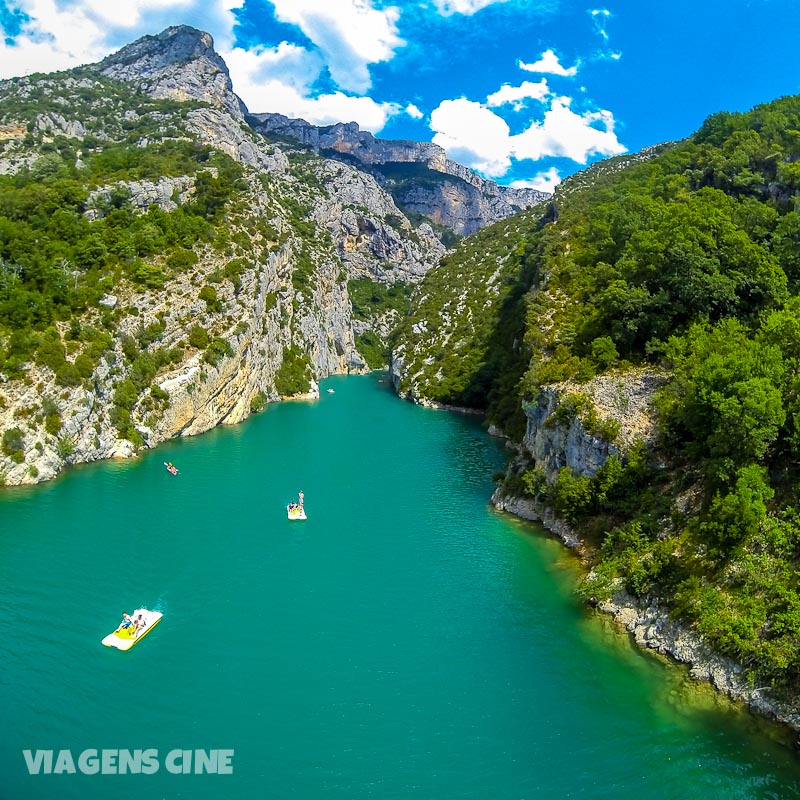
(651,627)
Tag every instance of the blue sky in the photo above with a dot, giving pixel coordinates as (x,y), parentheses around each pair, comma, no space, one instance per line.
(524,91)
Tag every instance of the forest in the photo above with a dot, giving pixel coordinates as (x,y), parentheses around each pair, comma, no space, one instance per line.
(685,260)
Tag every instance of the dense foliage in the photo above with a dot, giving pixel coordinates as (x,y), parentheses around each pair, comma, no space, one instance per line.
(687,258)
(68,231)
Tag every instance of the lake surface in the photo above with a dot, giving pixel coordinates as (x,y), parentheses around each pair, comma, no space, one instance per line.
(405,641)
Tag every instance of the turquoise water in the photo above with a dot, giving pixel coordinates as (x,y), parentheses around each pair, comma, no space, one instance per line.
(406,641)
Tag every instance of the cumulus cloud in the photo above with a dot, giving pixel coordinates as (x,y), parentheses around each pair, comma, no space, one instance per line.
(476,136)
(565,133)
(466,7)
(351,35)
(550,64)
(413,111)
(473,135)
(277,79)
(56,34)
(516,95)
(544,181)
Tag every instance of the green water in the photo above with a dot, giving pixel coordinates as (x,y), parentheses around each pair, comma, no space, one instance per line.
(406,641)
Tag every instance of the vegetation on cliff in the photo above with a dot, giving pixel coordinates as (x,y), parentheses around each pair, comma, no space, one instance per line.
(686,258)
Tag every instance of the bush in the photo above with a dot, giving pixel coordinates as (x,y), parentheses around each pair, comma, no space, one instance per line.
(181,259)
(52,423)
(294,375)
(12,442)
(158,393)
(65,447)
(258,402)
(217,350)
(84,365)
(571,497)
(68,375)
(209,295)
(198,337)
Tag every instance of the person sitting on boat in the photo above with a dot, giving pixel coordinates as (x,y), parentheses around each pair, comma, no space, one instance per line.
(138,625)
(125,624)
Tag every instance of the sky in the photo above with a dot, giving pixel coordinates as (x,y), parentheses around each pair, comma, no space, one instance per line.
(525,92)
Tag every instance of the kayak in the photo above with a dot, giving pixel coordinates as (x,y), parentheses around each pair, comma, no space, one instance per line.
(296,513)
(171,468)
(124,639)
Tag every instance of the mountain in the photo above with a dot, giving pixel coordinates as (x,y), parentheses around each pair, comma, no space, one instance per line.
(166,267)
(638,341)
(418,175)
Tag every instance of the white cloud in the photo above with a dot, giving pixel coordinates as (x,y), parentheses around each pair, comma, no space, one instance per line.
(413,111)
(550,64)
(58,34)
(515,95)
(467,7)
(278,80)
(473,135)
(600,16)
(351,35)
(565,133)
(61,35)
(544,181)
(287,63)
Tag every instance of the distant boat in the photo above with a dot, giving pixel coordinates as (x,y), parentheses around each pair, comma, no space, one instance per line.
(330,391)
(126,638)
(295,511)
(171,468)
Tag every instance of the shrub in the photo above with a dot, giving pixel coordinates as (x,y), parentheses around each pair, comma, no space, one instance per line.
(198,337)
(12,441)
(571,497)
(68,375)
(158,393)
(294,374)
(217,350)
(181,259)
(52,423)
(84,365)
(258,402)
(209,295)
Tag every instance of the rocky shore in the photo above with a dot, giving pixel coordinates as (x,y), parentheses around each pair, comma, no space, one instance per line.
(651,626)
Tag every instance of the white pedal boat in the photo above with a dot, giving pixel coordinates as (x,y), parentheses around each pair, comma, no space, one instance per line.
(124,639)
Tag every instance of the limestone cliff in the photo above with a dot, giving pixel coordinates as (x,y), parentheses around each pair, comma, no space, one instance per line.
(267,299)
(418,174)
(180,63)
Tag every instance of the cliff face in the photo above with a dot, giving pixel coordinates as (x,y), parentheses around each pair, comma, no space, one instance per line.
(418,174)
(180,64)
(554,445)
(295,231)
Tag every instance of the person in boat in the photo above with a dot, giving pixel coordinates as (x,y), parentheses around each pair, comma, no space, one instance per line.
(125,624)
(138,625)
(301,497)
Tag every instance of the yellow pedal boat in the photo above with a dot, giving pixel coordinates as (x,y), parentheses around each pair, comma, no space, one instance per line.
(125,638)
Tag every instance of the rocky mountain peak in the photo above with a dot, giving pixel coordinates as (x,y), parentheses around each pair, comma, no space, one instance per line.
(179,63)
